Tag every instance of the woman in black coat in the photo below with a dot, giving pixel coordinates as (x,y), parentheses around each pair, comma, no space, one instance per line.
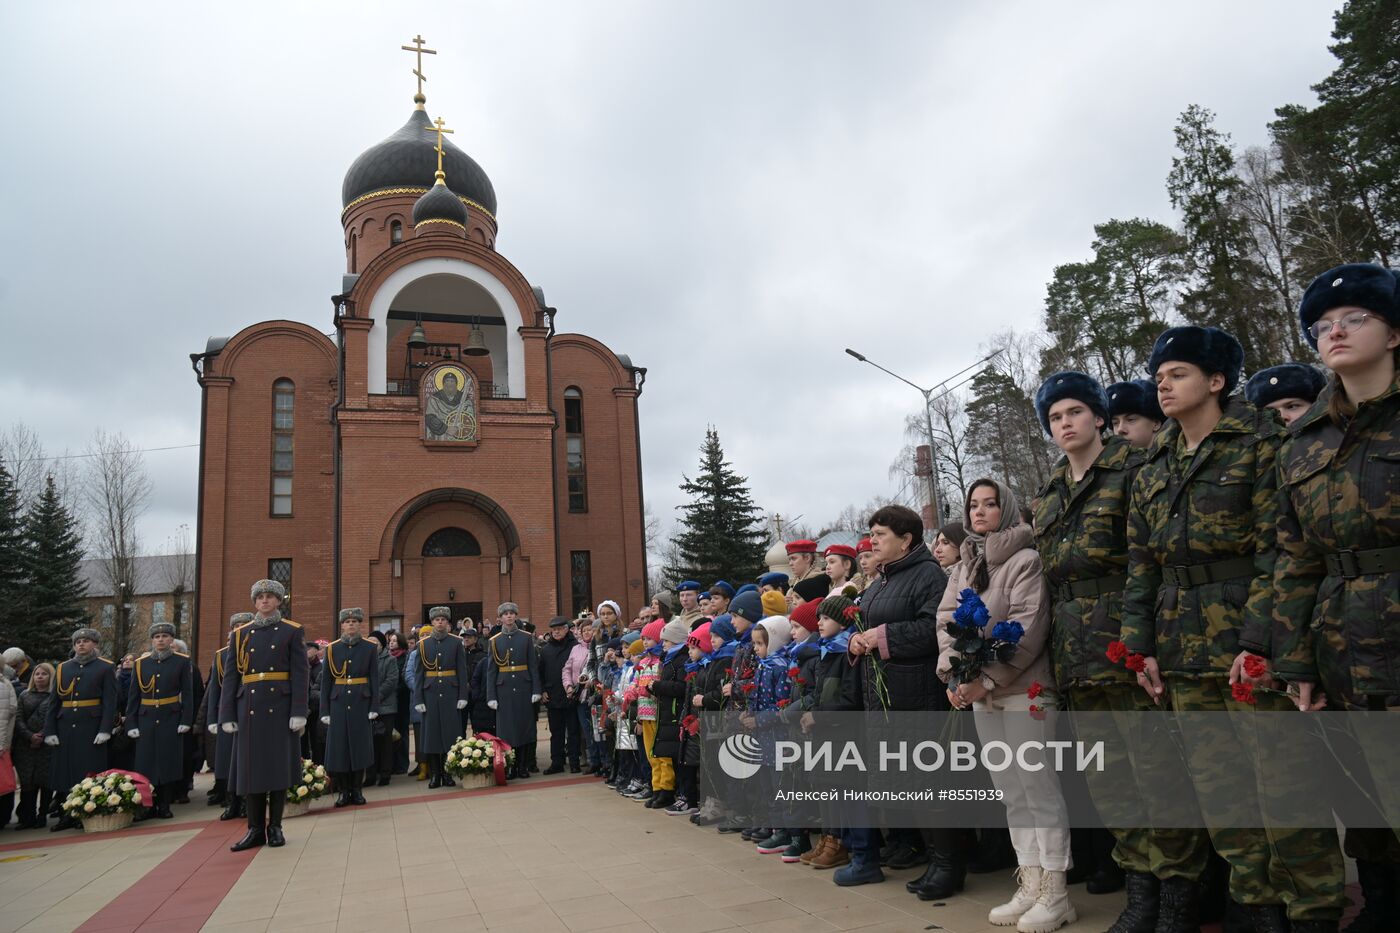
(31,755)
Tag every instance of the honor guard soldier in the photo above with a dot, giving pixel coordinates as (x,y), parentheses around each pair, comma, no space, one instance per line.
(440,693)
(513,686)
(688,592)
(225,790)
(80,719)
(802,558)
(263,703)
(159,712)
(349,694)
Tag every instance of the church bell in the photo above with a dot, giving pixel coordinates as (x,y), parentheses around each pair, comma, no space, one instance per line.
(476,343)
(418,340)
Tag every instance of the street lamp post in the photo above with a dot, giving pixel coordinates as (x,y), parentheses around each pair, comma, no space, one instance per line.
(929,397)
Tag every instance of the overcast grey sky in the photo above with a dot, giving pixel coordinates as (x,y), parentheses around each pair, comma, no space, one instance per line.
(730,192)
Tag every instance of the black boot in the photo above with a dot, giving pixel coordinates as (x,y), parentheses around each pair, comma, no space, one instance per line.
(342,784)
(276,803)
(993,853)
(1378,898)
(1140,913)
(64,822)
(218,794)
(168,793)
(256,805)
(949,870)
(1107,877)
(435,767)
(1267,918)
(914,885)
(442,770)
(1179,906)
(357,783)
(234,808)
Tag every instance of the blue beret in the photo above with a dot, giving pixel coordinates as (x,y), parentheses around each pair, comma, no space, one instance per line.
(1070,384)
(1358,284)
(688,585)
(774,579)
(747,605)
(1290,380)
(1135,397)
(1210,348)
(722,587)
(705,595)
(723,626)
(746,588)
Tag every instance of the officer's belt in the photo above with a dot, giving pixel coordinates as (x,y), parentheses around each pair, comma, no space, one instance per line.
(1352,564)
(80,704)
(267,675)
(163,701)
(351,681)
(1087,589)
(513,669)
(441,673)
(1189,575)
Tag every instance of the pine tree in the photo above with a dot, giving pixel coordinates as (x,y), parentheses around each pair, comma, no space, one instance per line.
(54,589)
(722,535)
(12,589)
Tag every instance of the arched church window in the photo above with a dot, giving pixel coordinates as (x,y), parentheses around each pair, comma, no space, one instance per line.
(283,410)
(395,232)
(451,542)
(573,450)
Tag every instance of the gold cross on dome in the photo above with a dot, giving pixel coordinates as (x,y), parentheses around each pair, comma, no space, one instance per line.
(439,127)
(418,51)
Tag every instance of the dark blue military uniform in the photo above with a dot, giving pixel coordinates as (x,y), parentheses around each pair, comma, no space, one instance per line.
(85,705)
(161,699)
(441,681)
(349,688)
(512,679)
(263,689)
(223,744)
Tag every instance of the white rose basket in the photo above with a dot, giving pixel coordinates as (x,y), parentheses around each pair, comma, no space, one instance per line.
(472,762)
(312,786)
(105,802)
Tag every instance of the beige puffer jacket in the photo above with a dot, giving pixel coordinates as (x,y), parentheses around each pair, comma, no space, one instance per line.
(1017,592)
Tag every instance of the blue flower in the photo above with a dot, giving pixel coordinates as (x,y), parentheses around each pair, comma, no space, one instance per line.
(980,616)
(1008,632)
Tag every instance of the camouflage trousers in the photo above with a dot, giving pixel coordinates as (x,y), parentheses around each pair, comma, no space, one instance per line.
(1299,868)
(1165,853)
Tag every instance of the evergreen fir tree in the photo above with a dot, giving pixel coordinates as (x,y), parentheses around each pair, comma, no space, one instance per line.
(12,589)
(54,588)
(722,536)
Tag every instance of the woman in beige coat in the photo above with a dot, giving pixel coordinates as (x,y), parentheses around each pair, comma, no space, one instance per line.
(1000,563)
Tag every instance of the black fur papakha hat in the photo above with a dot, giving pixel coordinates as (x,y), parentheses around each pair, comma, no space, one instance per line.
(1289,380)
(1070,384)
(1210,348)
(1360,284)
(1135,397)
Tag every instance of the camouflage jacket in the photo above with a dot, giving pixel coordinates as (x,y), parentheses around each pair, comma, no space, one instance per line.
(1185,515)
(1082,536)
(1340,490)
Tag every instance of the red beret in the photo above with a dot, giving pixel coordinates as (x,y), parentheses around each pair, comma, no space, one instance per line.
(844,550)
(805,615)
(864,546)
(802,547)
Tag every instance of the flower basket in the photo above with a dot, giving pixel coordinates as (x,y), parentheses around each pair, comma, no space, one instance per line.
(107,801)
(476,780)
(106,822)
(301,808)
(482,754)
(312,785)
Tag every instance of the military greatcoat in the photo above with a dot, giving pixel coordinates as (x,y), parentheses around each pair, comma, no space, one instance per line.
(223,744)
(349,692)
(84,705)
(262,690)
(161,699)
(441,680)
(512,678)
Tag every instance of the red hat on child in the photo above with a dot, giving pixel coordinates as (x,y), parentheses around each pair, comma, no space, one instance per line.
(652,630)
(700,638)
(805,615)
(865,545)
(802,546)
(843,550)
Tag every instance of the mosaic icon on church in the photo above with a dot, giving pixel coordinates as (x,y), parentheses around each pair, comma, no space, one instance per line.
(449,404)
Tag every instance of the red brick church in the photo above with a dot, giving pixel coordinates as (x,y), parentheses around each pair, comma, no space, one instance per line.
(444,444)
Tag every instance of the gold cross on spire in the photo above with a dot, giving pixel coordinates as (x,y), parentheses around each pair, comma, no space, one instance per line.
(439,127)
(418,51)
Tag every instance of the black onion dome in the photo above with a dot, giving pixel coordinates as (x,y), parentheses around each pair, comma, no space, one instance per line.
(439,204)
(408,159)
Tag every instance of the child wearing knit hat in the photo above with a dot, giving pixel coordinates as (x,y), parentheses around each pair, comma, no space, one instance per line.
(688,794)
(710,697)
(648,671)
(771,690)
(624,714)
(669,690)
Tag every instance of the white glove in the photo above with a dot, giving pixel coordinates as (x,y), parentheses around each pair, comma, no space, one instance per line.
(182,729)
(534,698)
(51,740)
(491,703)
(213,728)
(325,720)
(133,733)
(229,727)
(373,715)
(461,704)
(421,708)
(102,738)
(297,723)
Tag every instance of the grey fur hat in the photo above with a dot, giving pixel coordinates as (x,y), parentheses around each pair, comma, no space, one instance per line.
(503,608)
(269,586)
(88,632)
(239,618)
(162,628)
(357,614)
(440,611)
